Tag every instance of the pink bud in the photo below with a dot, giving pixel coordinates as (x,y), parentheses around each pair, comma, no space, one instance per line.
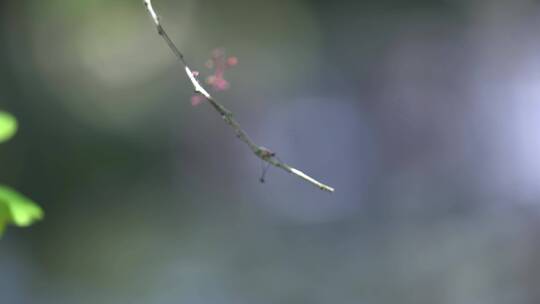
(232,61)
(220,84)
(196,100)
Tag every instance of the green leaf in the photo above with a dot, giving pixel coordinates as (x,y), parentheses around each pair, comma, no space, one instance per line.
(8,126)
(17,209)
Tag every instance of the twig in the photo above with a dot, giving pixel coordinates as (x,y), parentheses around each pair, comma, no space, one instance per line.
(261,152)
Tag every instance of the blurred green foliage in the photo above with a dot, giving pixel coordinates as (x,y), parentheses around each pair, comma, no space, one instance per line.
(17,209)
(8,126)
(14,208)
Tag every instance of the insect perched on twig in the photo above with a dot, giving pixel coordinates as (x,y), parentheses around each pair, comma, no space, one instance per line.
(265,154)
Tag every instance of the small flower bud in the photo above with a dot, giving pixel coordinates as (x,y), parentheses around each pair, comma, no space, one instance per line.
(196,100)
(232,61)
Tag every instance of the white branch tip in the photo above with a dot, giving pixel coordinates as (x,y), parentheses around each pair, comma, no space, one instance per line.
(312,180)
(150,8)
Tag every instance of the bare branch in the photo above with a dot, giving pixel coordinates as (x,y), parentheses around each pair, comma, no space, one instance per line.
(261,152)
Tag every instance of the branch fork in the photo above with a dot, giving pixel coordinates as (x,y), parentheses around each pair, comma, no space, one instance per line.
(263,153)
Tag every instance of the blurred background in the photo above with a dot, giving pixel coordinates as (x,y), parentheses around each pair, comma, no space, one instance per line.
(424,115)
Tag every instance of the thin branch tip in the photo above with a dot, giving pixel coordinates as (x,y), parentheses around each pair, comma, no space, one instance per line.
(259,151)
